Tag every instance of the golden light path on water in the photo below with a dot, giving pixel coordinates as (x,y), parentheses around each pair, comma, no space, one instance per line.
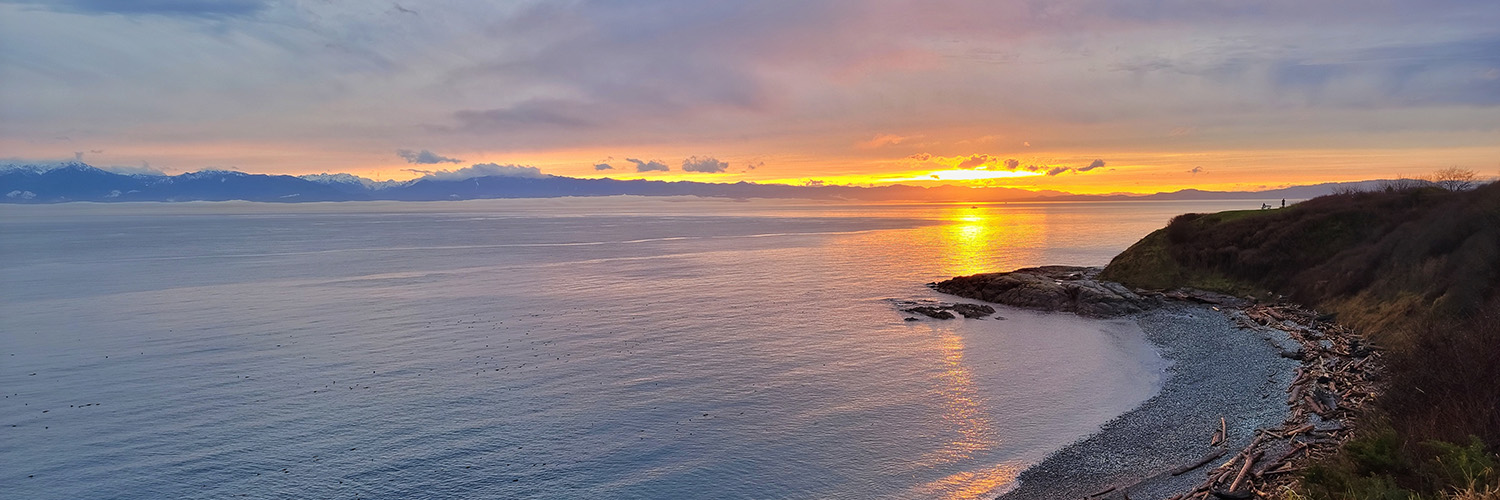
(975,234)
(965,410)
(971,237)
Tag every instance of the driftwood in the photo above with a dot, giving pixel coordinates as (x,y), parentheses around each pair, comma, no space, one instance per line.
(1240,478)
(1223,434)
(1201,462)
(1335,381)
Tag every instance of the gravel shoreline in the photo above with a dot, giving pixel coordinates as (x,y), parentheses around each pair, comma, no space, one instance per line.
(1218,371)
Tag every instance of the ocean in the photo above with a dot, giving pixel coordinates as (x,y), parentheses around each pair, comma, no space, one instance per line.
(620,347)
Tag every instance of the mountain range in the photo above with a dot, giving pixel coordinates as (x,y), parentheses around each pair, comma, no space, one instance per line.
(77,181)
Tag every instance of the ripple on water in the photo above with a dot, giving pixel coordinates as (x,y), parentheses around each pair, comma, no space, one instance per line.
(386,350)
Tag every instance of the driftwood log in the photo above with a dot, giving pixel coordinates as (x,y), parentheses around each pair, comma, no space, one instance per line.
(1336,380)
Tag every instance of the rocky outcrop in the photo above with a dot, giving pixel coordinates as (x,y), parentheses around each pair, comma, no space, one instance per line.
(973,311)
(940,310)
(1051,288)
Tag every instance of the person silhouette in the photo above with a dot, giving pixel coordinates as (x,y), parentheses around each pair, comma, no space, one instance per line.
(1283,203)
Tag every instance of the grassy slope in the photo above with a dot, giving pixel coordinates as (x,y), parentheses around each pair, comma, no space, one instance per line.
(1417,270)
(1381,261)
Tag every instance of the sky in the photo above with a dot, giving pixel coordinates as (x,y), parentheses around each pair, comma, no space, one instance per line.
(1085,96)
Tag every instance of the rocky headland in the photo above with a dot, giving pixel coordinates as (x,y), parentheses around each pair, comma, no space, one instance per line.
(1071,289)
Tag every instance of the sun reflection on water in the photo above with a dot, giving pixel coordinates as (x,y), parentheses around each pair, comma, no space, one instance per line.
(978,237)
(975,239)
(969,485)
(965,410)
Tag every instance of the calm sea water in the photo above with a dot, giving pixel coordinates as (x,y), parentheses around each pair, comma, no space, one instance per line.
(549,349)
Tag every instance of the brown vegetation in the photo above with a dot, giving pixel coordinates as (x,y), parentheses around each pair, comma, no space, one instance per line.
(1416,268)
(1380,260)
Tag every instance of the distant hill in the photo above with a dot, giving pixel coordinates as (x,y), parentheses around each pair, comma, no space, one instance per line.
(74,181)
(77,181)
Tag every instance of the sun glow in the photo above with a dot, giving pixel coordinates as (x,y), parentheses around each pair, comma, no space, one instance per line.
(967,175)
(980,238)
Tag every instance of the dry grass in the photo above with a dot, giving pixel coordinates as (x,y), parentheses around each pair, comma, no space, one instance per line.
(1416,268)
(1486,493)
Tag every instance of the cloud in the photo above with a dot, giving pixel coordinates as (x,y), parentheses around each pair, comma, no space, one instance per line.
(603,165)
(648,166)
(920,157)
(417,171)
(809,80)
(1059,170)
(883,140)
(1197,170)
(1395,75)
(483,170)
(815,183)
(707,164)
(753,166)
(1092,165)
(1011,163)
(143,169)
(425,157)
(179,8)
(976,160)
(549,113)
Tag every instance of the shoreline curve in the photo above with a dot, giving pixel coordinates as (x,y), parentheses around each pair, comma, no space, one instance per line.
(1218,370)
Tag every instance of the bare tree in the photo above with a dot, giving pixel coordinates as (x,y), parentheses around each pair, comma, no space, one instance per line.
(1347,189)
(1455,179)
(1401,183)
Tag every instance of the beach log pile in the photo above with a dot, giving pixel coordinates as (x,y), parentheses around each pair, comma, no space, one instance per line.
(1338,377)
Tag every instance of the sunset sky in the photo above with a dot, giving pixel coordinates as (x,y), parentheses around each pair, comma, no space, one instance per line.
(1086,96)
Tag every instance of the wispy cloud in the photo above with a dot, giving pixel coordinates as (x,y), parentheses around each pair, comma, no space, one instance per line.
(482,170)
(142,169)
(425,157)
(707,164)
(976,161)
(1092,165)
(833,84)
(648,166)
(883,140)
(187,8)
